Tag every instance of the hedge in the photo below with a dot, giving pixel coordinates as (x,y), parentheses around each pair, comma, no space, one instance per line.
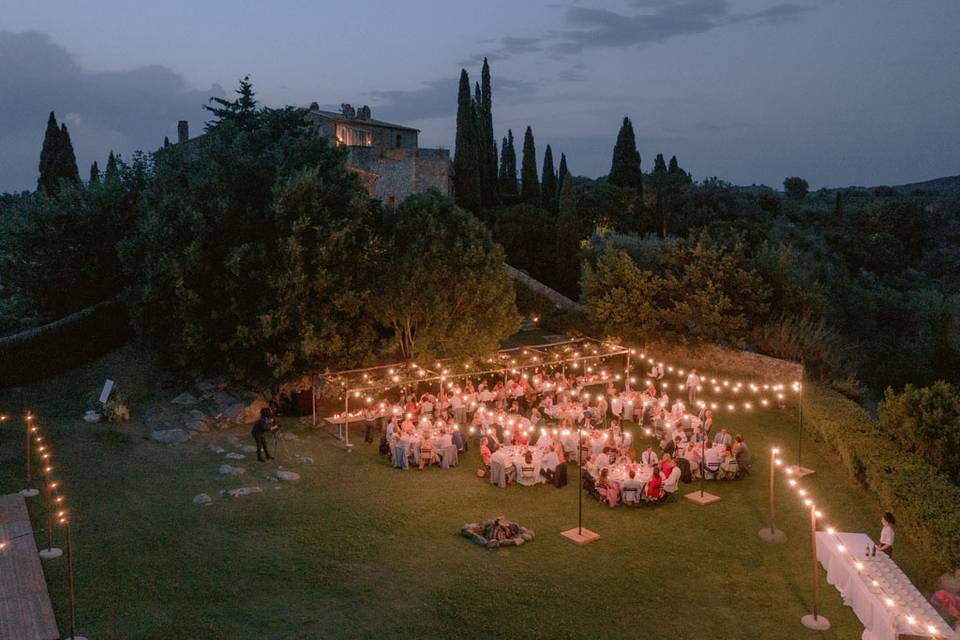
(52,348)
(926,503)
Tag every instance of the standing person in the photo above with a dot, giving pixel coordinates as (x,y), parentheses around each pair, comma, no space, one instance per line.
(693,382)
(260,428)
(887,533)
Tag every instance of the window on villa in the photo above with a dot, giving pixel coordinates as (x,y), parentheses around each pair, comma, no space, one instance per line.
(354,137)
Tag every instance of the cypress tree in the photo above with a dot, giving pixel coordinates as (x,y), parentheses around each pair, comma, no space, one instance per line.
(68,159)
(562,173)
(548,185)
(529,184)
(112,171)
(466,168)
(488,146)
(659,180)
(166,142)
(508,166)
(48,154)
(567,248)
(838,207)
(94,173)
(674,167)
(625,168)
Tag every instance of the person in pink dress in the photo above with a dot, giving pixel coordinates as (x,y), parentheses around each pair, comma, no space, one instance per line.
(608,490)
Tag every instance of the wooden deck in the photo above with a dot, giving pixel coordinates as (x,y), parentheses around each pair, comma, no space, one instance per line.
(25,610)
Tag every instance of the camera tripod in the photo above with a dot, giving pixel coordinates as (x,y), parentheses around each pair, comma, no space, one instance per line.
(279,442)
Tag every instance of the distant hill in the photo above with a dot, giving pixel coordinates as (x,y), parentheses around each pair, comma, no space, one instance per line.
(947,186)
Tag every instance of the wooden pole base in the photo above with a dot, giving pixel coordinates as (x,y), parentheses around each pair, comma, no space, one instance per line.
(772,536)
(29,493)
(580,536)
(702,499)
(818,623)
(50,554)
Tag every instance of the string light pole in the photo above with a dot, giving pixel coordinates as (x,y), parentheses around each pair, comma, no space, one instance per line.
(814,621)
(28,491)
(771,533)
(580,535)
(701,497)
(799,469)
(72,593)
(50,485)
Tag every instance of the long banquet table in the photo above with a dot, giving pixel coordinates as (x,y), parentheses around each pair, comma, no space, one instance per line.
(877,590)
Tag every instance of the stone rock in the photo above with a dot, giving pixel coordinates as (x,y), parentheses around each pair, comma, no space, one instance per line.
(223,400)
(228,470)
(92,416)
(244,412)
(206,385)
(289,476)
(290,436)
(235,456)
(215,449)
(242,491)
(169,436)
(234,440)
(196,421)
(306,460)
(248,448)
(202,499)
(186,398)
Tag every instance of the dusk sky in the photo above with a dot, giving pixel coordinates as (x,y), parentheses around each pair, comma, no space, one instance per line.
(840,92)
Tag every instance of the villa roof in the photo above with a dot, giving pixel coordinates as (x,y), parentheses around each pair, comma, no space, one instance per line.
(369,122)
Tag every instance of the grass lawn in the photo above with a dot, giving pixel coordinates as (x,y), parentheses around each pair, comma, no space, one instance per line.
(357,549)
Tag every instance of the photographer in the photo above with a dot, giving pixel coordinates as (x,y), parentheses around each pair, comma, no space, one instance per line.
(260,428)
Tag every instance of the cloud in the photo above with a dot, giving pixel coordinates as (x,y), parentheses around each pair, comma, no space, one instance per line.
(120,110)
(438,98)
(504,48)
(656,21)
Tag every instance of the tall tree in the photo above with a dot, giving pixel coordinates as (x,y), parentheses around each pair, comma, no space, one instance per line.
(68,159)
(94,173)
(838,207)
(508,166)
(548,185)
(567,249)
(166,142)
(241,111)
(658,180)
(529,184)
(57,159)
(466,161)
(490,188)
(625,168)
(562,173)
(113,169)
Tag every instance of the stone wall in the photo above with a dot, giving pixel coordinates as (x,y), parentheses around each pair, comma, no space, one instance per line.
(713,358)
(403,172)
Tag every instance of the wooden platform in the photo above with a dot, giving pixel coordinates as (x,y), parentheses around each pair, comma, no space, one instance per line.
(25,610)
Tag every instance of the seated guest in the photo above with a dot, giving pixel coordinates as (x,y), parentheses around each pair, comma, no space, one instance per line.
(711,459)
(519,437)
(655,485)
(707,422)
(545,440)
(692,455)
(697,435)
(648,458)
(742,453)
(728,465)
(667,464)
(608,489)
(887,533)
(535,416)
(485,452)
(723,439)
(664,399)
(445,440)
(603,458)
(671,483)
(632,482)
(671,446)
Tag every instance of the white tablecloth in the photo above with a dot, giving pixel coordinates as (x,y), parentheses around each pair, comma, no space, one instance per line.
(508,456)
(867,589)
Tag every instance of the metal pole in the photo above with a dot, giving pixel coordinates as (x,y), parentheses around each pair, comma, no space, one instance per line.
(703,460)
(27,449)
(49,510)
(626,382)
(800,417)
(580,479)
(313,397)
(816,569)
(346,423)
(773,464)
(73,601)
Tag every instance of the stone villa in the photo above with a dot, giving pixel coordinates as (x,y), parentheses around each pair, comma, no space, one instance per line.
(386,156)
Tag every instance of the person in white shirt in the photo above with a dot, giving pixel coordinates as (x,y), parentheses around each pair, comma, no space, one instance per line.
(723,439)
(544,441)
(616,407)
(887,533)
(445,440)
(711,460)
(693,382)
(603,459)
(649,458)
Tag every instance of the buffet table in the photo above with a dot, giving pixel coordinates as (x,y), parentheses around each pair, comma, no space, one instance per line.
(877,590)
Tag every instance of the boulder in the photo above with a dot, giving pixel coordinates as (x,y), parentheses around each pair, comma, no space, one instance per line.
(92,416)
(288,476)
(289,436)
(235,456)
(196,421)
(169,436)
(234,440)
(242,491)
(202,499)
(215,449)
(228,470)
(222,400)
(248,448)
(186,398)
(206,385)
(244,412)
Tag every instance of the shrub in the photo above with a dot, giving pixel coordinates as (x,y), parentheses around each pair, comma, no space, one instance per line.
(924,499)
(926,421)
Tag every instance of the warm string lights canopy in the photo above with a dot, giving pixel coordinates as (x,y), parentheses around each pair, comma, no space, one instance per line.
(927,626)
